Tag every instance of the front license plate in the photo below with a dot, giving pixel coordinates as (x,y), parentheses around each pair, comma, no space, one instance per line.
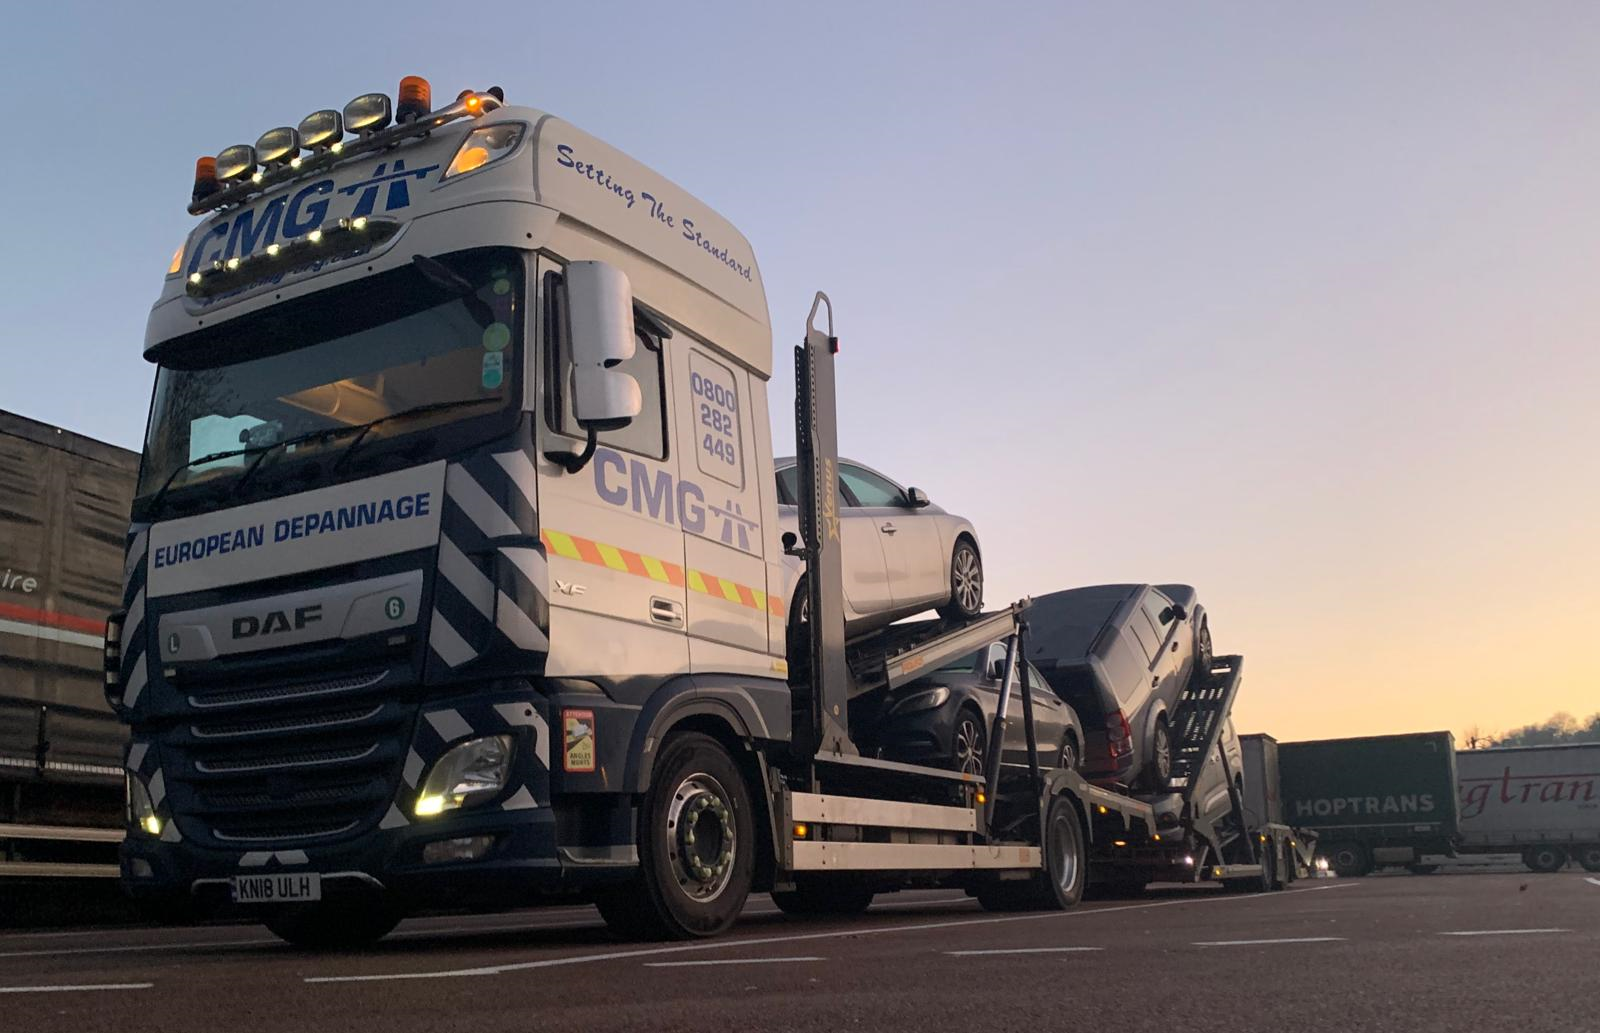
(279,888)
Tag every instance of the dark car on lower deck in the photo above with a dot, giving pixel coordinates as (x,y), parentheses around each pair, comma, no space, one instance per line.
(944,719)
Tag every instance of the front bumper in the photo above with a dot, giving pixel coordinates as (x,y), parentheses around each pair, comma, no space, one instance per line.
(522,865)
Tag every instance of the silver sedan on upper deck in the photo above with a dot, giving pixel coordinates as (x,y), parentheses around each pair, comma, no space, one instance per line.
(902,554)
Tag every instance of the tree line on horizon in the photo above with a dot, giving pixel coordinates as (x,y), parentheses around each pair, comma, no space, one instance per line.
(1561,729)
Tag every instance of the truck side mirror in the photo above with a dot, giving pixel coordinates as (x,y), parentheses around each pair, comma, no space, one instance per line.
(916,498)
(1177,612)
(599,304)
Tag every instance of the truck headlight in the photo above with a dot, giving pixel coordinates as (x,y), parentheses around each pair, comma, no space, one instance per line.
(475,768)
(925,700)
(482,146)
(141,809)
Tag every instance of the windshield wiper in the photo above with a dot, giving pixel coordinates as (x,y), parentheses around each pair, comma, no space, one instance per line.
(361,429)
(260,451)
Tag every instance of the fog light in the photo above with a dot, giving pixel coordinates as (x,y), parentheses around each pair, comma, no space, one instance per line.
(464,848)
(139,868)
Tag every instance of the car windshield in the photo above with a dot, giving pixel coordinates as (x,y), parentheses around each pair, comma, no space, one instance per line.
(310,373)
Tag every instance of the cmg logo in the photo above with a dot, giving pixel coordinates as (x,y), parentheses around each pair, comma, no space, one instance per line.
(291,216)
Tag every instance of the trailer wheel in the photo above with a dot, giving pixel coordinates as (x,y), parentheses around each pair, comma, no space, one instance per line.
(815,894)
(330,926)
(696,847)
(1060,885)
(1589,857)
(1545,858)
(1349,860)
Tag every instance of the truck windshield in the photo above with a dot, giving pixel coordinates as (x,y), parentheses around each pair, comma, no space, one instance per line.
(309,373)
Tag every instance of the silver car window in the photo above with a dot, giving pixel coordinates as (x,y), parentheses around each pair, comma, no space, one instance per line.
(868,488)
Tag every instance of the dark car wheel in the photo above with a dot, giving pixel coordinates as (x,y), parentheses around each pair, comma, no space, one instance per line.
(1203,656)
(967,742)
(1161,755)
(966,584)
(1069,754)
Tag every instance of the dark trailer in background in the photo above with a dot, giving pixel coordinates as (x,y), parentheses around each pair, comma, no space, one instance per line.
(64,502)
(1375,801)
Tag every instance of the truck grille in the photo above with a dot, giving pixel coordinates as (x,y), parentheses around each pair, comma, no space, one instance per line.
(289,763)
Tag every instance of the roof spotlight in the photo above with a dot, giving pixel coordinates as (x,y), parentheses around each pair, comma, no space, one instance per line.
(236,162)
(367,113)
(278,145)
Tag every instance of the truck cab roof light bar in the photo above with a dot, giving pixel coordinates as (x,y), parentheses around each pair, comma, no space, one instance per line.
(471,105)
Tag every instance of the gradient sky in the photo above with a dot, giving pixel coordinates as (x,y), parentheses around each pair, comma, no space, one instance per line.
(1294,302)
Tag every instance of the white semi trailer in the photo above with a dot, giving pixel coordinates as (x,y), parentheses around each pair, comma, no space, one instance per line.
(1540,801)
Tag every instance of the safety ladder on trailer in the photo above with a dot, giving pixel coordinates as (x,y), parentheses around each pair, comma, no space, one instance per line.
(1201,715)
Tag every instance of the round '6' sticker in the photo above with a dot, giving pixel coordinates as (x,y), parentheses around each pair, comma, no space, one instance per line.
(394,607)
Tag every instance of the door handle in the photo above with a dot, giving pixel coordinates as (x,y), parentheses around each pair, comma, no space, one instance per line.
(887,529)
(1155,681)
(1174,647)
(666,611)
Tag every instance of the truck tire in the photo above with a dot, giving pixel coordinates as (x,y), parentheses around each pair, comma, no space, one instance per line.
(1589,857)
(1060,885)
(696,847)
(1349,860)
(1545,858)
(332,926)
(821,895)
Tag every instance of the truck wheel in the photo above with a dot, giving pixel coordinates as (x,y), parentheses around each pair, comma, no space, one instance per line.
(329,926)
(966,584)
(696,847)
(1589,857)
(1349,860)
(1545,858)
(1060,885)
(820,895)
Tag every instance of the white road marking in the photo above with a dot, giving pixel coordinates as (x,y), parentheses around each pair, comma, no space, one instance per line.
(1021,950)
(406,932)
(585,959)
(1251,943)
(729,961)
(1503,932)
(68,989)
(1595,881)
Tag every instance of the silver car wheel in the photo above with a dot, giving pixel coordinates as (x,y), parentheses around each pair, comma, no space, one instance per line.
(966,580)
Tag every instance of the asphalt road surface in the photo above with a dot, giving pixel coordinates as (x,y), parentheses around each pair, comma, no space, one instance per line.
(1448,952)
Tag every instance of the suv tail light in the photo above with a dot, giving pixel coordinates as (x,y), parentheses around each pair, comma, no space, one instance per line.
(1119,736)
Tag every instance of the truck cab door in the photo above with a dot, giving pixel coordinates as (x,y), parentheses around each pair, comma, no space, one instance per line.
(716,405)
(611,531)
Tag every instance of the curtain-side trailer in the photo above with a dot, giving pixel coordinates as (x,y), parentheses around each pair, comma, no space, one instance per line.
(63,513)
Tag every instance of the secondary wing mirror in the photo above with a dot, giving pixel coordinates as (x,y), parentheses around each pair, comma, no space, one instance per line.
(916,498)
(599,303)
(1178,612)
